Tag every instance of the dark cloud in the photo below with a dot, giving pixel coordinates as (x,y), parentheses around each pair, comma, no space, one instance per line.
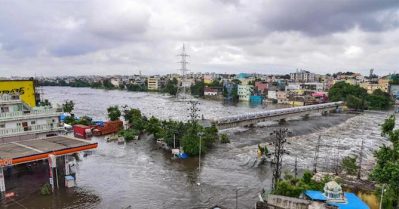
(314,17)
(221,35)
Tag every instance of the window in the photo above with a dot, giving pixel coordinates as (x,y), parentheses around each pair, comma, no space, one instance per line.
(33,122)
(2,125)
(18,124)
(5,109)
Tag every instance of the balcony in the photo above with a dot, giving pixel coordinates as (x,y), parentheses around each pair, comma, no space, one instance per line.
(29,130)
(28,114)
(9,99)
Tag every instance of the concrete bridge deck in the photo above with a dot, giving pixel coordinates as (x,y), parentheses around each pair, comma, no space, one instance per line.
(274,115)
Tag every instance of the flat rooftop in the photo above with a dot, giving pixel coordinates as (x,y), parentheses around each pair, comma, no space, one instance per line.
(13,153)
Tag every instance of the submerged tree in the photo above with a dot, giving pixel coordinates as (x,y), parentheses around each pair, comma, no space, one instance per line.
(386,170)
(114,113)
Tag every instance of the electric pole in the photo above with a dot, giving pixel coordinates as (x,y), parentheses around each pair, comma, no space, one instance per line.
(193,111)
(316,155)
(296,167)
(360,159)
(279,151)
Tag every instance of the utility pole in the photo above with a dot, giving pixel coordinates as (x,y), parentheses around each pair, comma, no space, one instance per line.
(360,159)
(316,155)
(296,167)
(279,151)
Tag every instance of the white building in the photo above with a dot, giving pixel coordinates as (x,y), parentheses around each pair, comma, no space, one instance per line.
(19,122)
(244,92)
(303,76)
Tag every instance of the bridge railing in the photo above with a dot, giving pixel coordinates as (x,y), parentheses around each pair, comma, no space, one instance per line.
(276,112)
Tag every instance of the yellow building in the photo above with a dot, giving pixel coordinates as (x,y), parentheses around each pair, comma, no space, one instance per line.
(370,87)
(24,88)
(153,84)
(384,84)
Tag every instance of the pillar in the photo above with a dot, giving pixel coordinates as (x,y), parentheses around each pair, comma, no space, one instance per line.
(53,175)
(2,182)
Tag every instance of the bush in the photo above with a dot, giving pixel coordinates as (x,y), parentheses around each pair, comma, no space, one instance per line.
(45,190)
(224,139)
(128,134)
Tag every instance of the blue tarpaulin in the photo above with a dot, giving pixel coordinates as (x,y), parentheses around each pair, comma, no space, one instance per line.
(315,195)
(352,201)
(183,155)
(99,123)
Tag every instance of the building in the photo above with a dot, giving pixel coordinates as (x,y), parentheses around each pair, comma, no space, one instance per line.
(210,91)
(244,92)
(19,121)
(313,86)
(261,87)
(29,141)
(282,97)
(24,88)
(302,76)
(208,79)
(153,83)
(334,198)
(115,81)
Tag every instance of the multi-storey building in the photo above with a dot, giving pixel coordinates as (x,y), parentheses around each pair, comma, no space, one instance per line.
(302,76)
(244,92)
(153,83)
(19,121)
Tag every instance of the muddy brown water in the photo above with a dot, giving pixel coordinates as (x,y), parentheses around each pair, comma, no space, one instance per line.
(140,175)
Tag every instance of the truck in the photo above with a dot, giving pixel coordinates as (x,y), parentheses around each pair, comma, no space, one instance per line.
(82,131)
(109,127)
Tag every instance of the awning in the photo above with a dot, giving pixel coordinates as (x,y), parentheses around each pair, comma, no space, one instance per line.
(14,153)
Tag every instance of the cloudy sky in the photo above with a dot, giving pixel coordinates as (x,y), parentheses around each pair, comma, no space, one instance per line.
(80,37)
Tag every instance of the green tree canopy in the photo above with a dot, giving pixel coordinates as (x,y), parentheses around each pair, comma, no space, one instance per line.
(68,106)
(113,113)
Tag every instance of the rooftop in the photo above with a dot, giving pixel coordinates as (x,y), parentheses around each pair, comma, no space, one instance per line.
(13,153)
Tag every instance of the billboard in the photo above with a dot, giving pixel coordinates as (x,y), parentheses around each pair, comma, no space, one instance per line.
(25,88)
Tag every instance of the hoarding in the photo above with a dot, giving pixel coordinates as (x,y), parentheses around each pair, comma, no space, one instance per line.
(25,88)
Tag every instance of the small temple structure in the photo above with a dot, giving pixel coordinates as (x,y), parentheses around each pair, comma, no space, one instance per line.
(334,198)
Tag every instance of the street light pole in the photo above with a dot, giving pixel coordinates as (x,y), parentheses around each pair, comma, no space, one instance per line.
(382,195)
(199,158)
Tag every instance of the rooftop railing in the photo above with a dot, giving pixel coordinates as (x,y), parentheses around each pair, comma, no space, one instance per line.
(6,132)
(37,112)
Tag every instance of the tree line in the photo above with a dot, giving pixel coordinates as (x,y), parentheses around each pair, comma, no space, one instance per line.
(357,97)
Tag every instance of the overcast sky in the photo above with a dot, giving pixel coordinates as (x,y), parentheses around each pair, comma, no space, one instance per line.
(80,37)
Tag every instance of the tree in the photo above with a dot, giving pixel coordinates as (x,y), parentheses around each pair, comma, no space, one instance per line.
(68,106)
(349,165)
(379,100)
(386,169)
(113,113)
(388,125)
(198,88)
(224,139)
(171,87)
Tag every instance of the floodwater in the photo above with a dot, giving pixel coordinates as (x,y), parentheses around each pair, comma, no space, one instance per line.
(140,175)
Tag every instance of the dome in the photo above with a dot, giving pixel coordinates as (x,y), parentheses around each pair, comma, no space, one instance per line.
(333,186)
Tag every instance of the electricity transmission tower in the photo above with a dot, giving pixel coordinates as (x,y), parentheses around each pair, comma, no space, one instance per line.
(279,151)
(182,90)
(193,111)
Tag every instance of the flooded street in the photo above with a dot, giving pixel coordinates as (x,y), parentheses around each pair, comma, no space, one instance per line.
(140,175)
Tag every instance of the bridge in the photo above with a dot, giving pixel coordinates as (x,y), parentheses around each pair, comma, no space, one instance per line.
(275,115)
